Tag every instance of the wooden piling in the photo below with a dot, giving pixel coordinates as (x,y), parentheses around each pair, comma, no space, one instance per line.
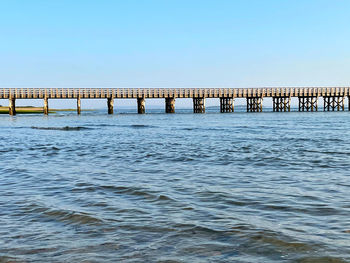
(308,103)
(12,106)
(141,109)
(281,104)
(78,106)
(198,105)
(333,103)
(46,106)
(110,104)
(254,104)
(226,104)
(169,105)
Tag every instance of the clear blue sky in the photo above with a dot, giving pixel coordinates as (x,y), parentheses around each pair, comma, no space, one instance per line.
(230,43)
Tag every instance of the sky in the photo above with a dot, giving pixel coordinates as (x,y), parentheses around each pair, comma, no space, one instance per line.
(174,43)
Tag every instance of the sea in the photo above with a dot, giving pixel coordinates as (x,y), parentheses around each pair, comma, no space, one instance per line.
(234,187)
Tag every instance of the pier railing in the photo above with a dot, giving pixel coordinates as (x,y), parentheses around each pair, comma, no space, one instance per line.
(125,93)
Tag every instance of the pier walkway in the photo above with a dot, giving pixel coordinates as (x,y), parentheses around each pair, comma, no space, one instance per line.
(333,97)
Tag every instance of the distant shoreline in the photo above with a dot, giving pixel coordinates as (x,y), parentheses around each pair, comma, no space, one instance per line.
(31,109)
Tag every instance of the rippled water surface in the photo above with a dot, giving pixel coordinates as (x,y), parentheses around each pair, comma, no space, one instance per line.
(265,187)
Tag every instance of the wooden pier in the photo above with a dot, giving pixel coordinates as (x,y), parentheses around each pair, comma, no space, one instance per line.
(334,97)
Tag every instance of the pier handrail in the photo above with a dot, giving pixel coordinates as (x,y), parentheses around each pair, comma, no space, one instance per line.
(124,93)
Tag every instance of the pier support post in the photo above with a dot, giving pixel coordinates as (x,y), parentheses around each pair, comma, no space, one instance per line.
(254,104)
(198,105)
(12,106)
(78,106)
(46,106)
(169,105)
(281,104)
(226,104)
(308,103)
(333,103)
(110,104)
(141,109)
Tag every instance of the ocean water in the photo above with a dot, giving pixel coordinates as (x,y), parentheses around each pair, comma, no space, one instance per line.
(241,187)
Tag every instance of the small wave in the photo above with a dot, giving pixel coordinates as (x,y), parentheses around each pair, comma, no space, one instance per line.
(123,190)
(7,259)
(137,126)
(103,125)
(202,129)
(329,152)
(320,259)
(115,189)
(315,210)
(161,198)
(66,128)
(255,237)
(141,126)
(169,261)
(183,159)
(62,215)
(73,217)
(266,237)
(196,229)
(42,147)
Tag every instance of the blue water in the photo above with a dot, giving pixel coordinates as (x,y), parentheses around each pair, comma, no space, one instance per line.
(241,187)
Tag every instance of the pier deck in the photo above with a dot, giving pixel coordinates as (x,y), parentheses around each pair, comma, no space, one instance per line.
(308,96)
